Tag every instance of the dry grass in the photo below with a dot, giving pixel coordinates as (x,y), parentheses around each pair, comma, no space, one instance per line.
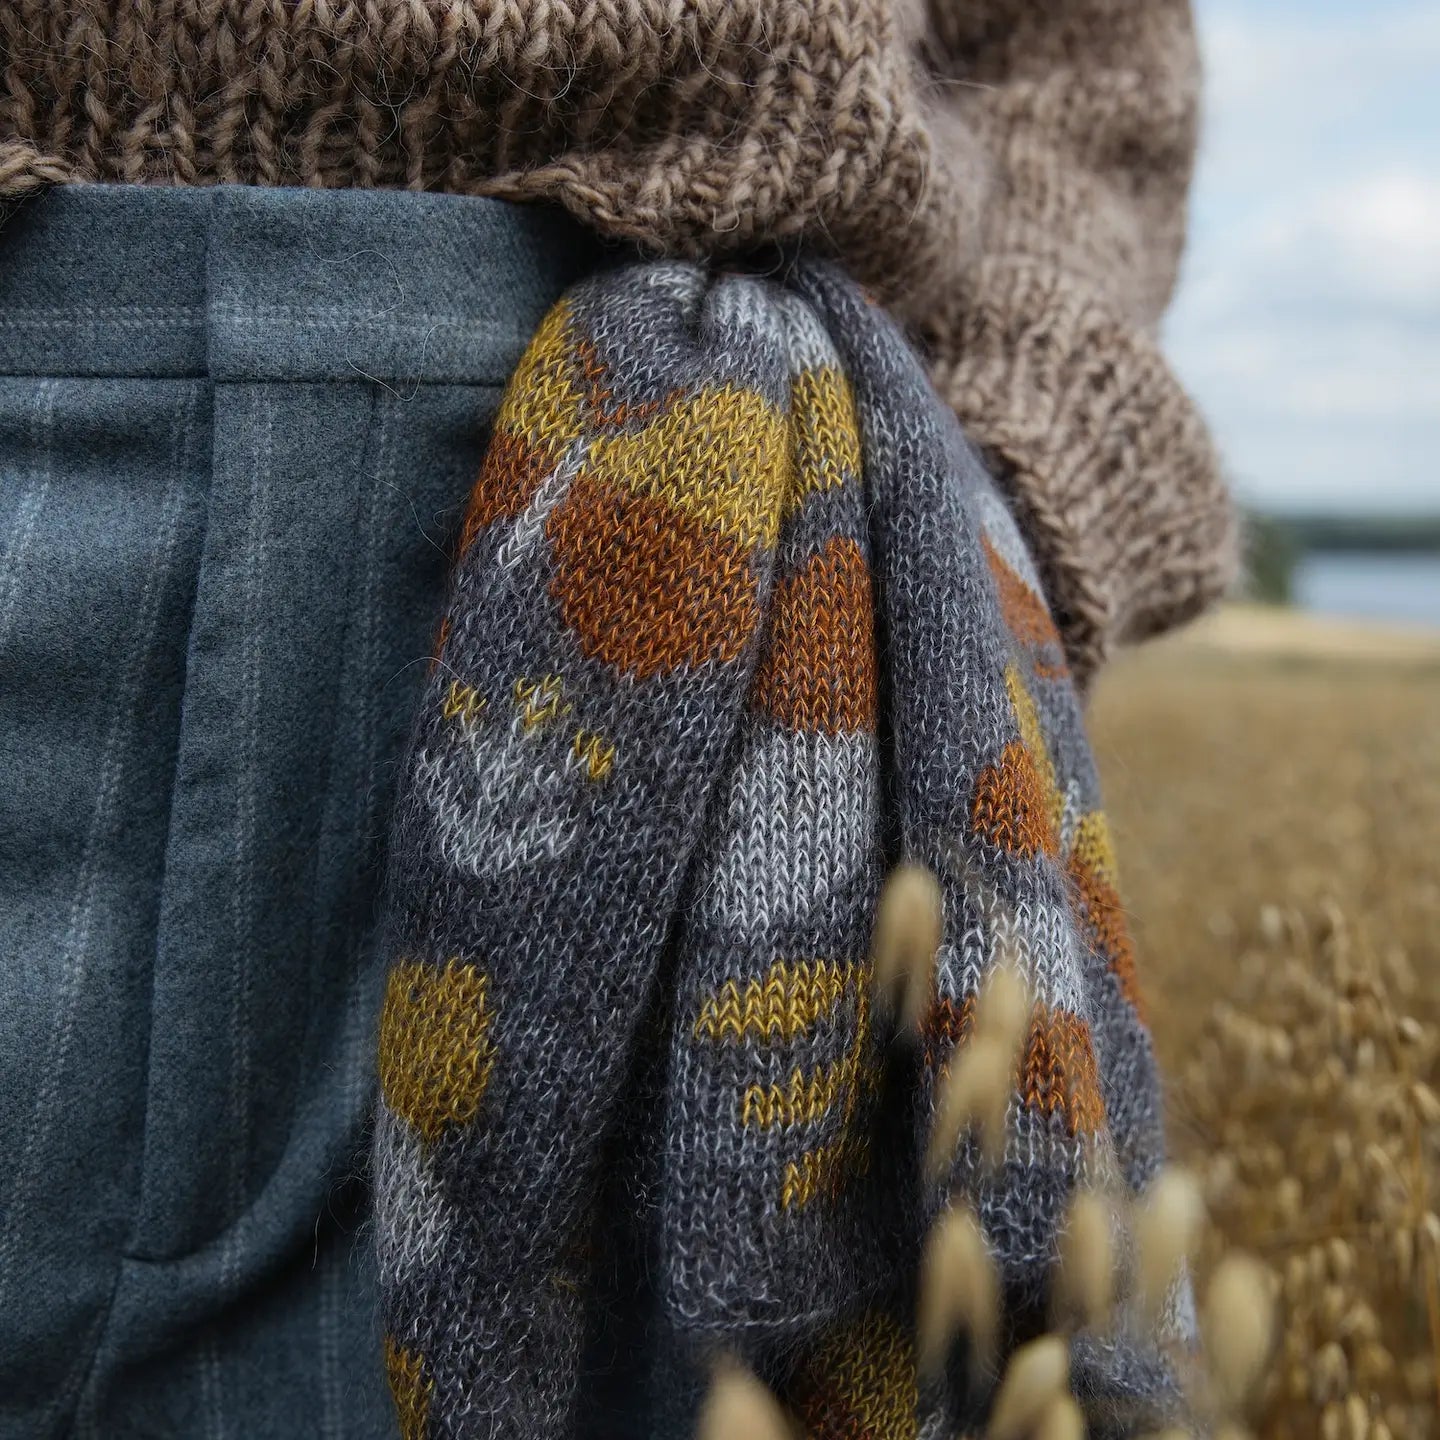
(1277,810)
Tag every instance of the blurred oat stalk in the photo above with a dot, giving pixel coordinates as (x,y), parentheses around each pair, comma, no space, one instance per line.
(1312,1116)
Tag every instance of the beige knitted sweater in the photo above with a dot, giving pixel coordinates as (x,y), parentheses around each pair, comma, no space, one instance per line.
(1008,175)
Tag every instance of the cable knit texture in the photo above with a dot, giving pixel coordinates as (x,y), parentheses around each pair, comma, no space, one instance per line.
(740,620)
(1008,176)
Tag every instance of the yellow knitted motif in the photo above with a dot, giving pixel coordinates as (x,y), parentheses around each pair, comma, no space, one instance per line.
(860,1382)
(1032,736)
(462,703)
(826,430)
(825,1170)
(802,1101)
(410,1387)
(540,701)
(719,456)
(816,1172)
(597,756)
(786,1003)
(1094,847)
(544,399)
(435,1049)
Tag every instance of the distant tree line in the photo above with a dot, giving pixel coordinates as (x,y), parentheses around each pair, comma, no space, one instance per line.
(1413,533)
(1271,551)
(1274,544)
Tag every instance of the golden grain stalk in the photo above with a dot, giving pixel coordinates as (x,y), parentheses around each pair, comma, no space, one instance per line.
(739,1407)
(1038,1374)
(1085,1278)
(1166,1229)
(1062,1419)
(909,924)
(1238,1321)
(975,1088)
(959,1291)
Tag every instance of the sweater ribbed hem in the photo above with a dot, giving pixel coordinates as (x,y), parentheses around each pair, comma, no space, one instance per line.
(1109,463)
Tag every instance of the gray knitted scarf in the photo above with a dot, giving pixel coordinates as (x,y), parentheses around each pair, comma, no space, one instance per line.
(739,622)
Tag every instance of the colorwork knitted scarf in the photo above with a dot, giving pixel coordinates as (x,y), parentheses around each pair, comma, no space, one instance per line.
(739,622)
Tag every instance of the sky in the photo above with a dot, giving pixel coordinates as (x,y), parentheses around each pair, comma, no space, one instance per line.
(1307,323)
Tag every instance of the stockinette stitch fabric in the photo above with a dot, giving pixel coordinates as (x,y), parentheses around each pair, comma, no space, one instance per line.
(738,622)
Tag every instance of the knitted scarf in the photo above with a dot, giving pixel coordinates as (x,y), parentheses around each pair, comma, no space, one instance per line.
(739,622)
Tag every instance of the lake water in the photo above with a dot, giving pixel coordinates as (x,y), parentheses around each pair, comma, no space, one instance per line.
(1370,586)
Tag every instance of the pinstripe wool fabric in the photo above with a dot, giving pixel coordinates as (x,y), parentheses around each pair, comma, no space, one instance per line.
(739,621)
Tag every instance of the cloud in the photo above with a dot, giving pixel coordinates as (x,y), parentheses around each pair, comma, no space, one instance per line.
(1308,322)
(1253,49)
(1366,242)
(1380,232)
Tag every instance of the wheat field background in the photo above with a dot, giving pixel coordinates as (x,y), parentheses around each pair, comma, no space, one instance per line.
(1274,787)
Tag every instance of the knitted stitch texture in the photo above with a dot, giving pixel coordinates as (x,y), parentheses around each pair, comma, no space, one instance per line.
(1009,176)
(739,621)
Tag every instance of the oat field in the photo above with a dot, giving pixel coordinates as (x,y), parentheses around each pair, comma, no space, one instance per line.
(1274,786)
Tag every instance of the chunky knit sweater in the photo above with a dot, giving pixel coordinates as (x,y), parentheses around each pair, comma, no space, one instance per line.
(1008,176)
(739,621)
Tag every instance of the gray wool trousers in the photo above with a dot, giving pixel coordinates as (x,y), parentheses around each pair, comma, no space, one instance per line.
(237,430)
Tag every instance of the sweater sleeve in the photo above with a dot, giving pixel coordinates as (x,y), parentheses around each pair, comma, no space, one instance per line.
(1086,113)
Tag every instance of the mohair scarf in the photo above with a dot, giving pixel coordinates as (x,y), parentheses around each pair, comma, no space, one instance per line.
(739,621)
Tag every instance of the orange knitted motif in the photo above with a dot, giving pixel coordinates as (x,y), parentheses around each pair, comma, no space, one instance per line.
(1056,1070)
(946,1025)
(646,588)
(858,1384)
(436,1054)
(818,669)
(513,471)
(1095,876)
(540,416)
(598,395)
(1011,807)
(1025,614)
(1032,737)
(410,1386)
(442,634)
(1105,920)
(1058,1074)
